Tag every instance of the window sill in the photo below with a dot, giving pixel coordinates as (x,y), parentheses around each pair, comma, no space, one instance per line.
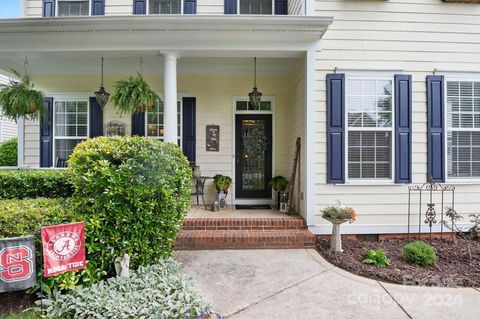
(475,181)
(370,183)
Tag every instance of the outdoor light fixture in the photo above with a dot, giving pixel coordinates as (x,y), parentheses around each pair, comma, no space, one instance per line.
(255,96)
(102,95)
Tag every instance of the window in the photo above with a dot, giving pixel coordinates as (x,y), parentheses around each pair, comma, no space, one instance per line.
(68,8)
(244,105)
(256,6)
(369,108)
(463,129)
(154,120)
(165,6)
(71,126)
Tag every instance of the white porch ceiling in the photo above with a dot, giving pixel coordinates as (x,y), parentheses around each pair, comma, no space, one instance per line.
(204,43)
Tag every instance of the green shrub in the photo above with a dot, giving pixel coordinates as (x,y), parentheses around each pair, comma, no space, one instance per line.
(34,183)
(376,257)
(8,152)
(133,194)
(420,253)
(158,291)
(25,217)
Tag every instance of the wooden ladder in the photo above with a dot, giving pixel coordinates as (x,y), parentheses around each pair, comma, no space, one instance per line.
(296,163)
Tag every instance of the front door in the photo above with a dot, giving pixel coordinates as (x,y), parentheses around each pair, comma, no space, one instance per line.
(253,155)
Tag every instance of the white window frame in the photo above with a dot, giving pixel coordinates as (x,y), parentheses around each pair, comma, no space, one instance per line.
(57,9)
(68,98)
(179,137)
(456,78)
(238,9)
(381,77)
(147,9)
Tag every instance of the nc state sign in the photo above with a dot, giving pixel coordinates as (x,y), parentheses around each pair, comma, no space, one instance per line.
(63,248)
(17,263)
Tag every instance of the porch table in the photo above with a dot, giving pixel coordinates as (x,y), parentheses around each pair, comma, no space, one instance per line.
(200,188)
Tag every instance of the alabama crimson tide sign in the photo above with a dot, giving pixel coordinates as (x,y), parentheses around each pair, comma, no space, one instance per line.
(17,263)
(63,248)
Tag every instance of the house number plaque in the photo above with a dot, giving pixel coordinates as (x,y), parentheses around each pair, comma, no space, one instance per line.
(213,138)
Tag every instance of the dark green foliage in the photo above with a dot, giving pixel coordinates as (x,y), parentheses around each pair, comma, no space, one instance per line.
(420,253)
(133,194)
(133,95)
(20,99)
(34,183)
(8,152)
(376,257)
(221,182)
(279,183)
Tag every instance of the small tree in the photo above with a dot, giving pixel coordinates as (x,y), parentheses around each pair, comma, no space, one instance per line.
(466,234)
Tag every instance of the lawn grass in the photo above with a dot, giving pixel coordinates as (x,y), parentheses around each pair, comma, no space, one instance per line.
(28,314)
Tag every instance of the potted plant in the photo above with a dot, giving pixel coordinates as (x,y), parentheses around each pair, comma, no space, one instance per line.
(279,184)
(133,95)
(222,184)
(20,99)
(338,215)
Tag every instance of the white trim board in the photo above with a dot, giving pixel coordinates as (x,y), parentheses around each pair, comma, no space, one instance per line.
(349,229)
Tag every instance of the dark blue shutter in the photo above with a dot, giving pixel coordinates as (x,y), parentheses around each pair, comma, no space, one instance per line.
(335,128)
(403,128)
(189,128)
(98,7)
(230,7)
(281,7)
(96,118)
(48,8)
(46,134)
(190,7)
(435,129)
(138,124)
(139,6)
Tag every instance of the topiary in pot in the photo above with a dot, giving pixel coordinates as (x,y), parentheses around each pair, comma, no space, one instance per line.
(222,183)
(20,99)
(279,183)
(133,95)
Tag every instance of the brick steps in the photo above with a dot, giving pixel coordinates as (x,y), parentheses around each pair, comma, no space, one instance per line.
(244,239)
(275,223)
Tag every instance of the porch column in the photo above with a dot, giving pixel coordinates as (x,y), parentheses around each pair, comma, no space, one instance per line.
(170,97)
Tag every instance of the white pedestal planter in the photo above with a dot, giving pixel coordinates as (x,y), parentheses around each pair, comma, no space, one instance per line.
(336,239)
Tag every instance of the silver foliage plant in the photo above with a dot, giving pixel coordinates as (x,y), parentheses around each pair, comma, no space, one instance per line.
(157,291)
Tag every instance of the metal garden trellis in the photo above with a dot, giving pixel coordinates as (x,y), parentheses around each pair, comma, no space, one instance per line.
(430,188)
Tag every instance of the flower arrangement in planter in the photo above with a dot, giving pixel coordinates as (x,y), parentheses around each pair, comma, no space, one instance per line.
(222,184)
(279,184)
(338,215)
(20,99)
(133,95)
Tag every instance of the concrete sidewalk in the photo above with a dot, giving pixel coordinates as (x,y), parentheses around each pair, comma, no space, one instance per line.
(299,283)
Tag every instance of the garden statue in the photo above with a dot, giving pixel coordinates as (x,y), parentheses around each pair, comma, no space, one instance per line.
(122,266)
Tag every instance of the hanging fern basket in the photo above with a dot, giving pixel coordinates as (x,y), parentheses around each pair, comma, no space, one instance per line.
(19,99)
(133,95)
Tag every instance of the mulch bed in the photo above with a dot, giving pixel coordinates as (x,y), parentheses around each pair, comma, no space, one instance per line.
(454,268)
(16,301)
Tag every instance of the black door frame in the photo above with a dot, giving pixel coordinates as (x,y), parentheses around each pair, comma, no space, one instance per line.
(267,192)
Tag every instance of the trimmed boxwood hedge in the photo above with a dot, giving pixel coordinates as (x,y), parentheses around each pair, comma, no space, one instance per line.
(52,183)
(8,152)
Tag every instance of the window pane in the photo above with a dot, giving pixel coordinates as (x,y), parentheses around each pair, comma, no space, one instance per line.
(165,7)
(463,154)
(369,103)
(155,120)
(64,148)
(71,118)
(256,6)
(369,155)
(463,104)
(73,8)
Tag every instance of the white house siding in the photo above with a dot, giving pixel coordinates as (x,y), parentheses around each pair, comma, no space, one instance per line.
(33,8)
(214,95)
(8,129)
(296,7)
(416,37)
(210,6)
